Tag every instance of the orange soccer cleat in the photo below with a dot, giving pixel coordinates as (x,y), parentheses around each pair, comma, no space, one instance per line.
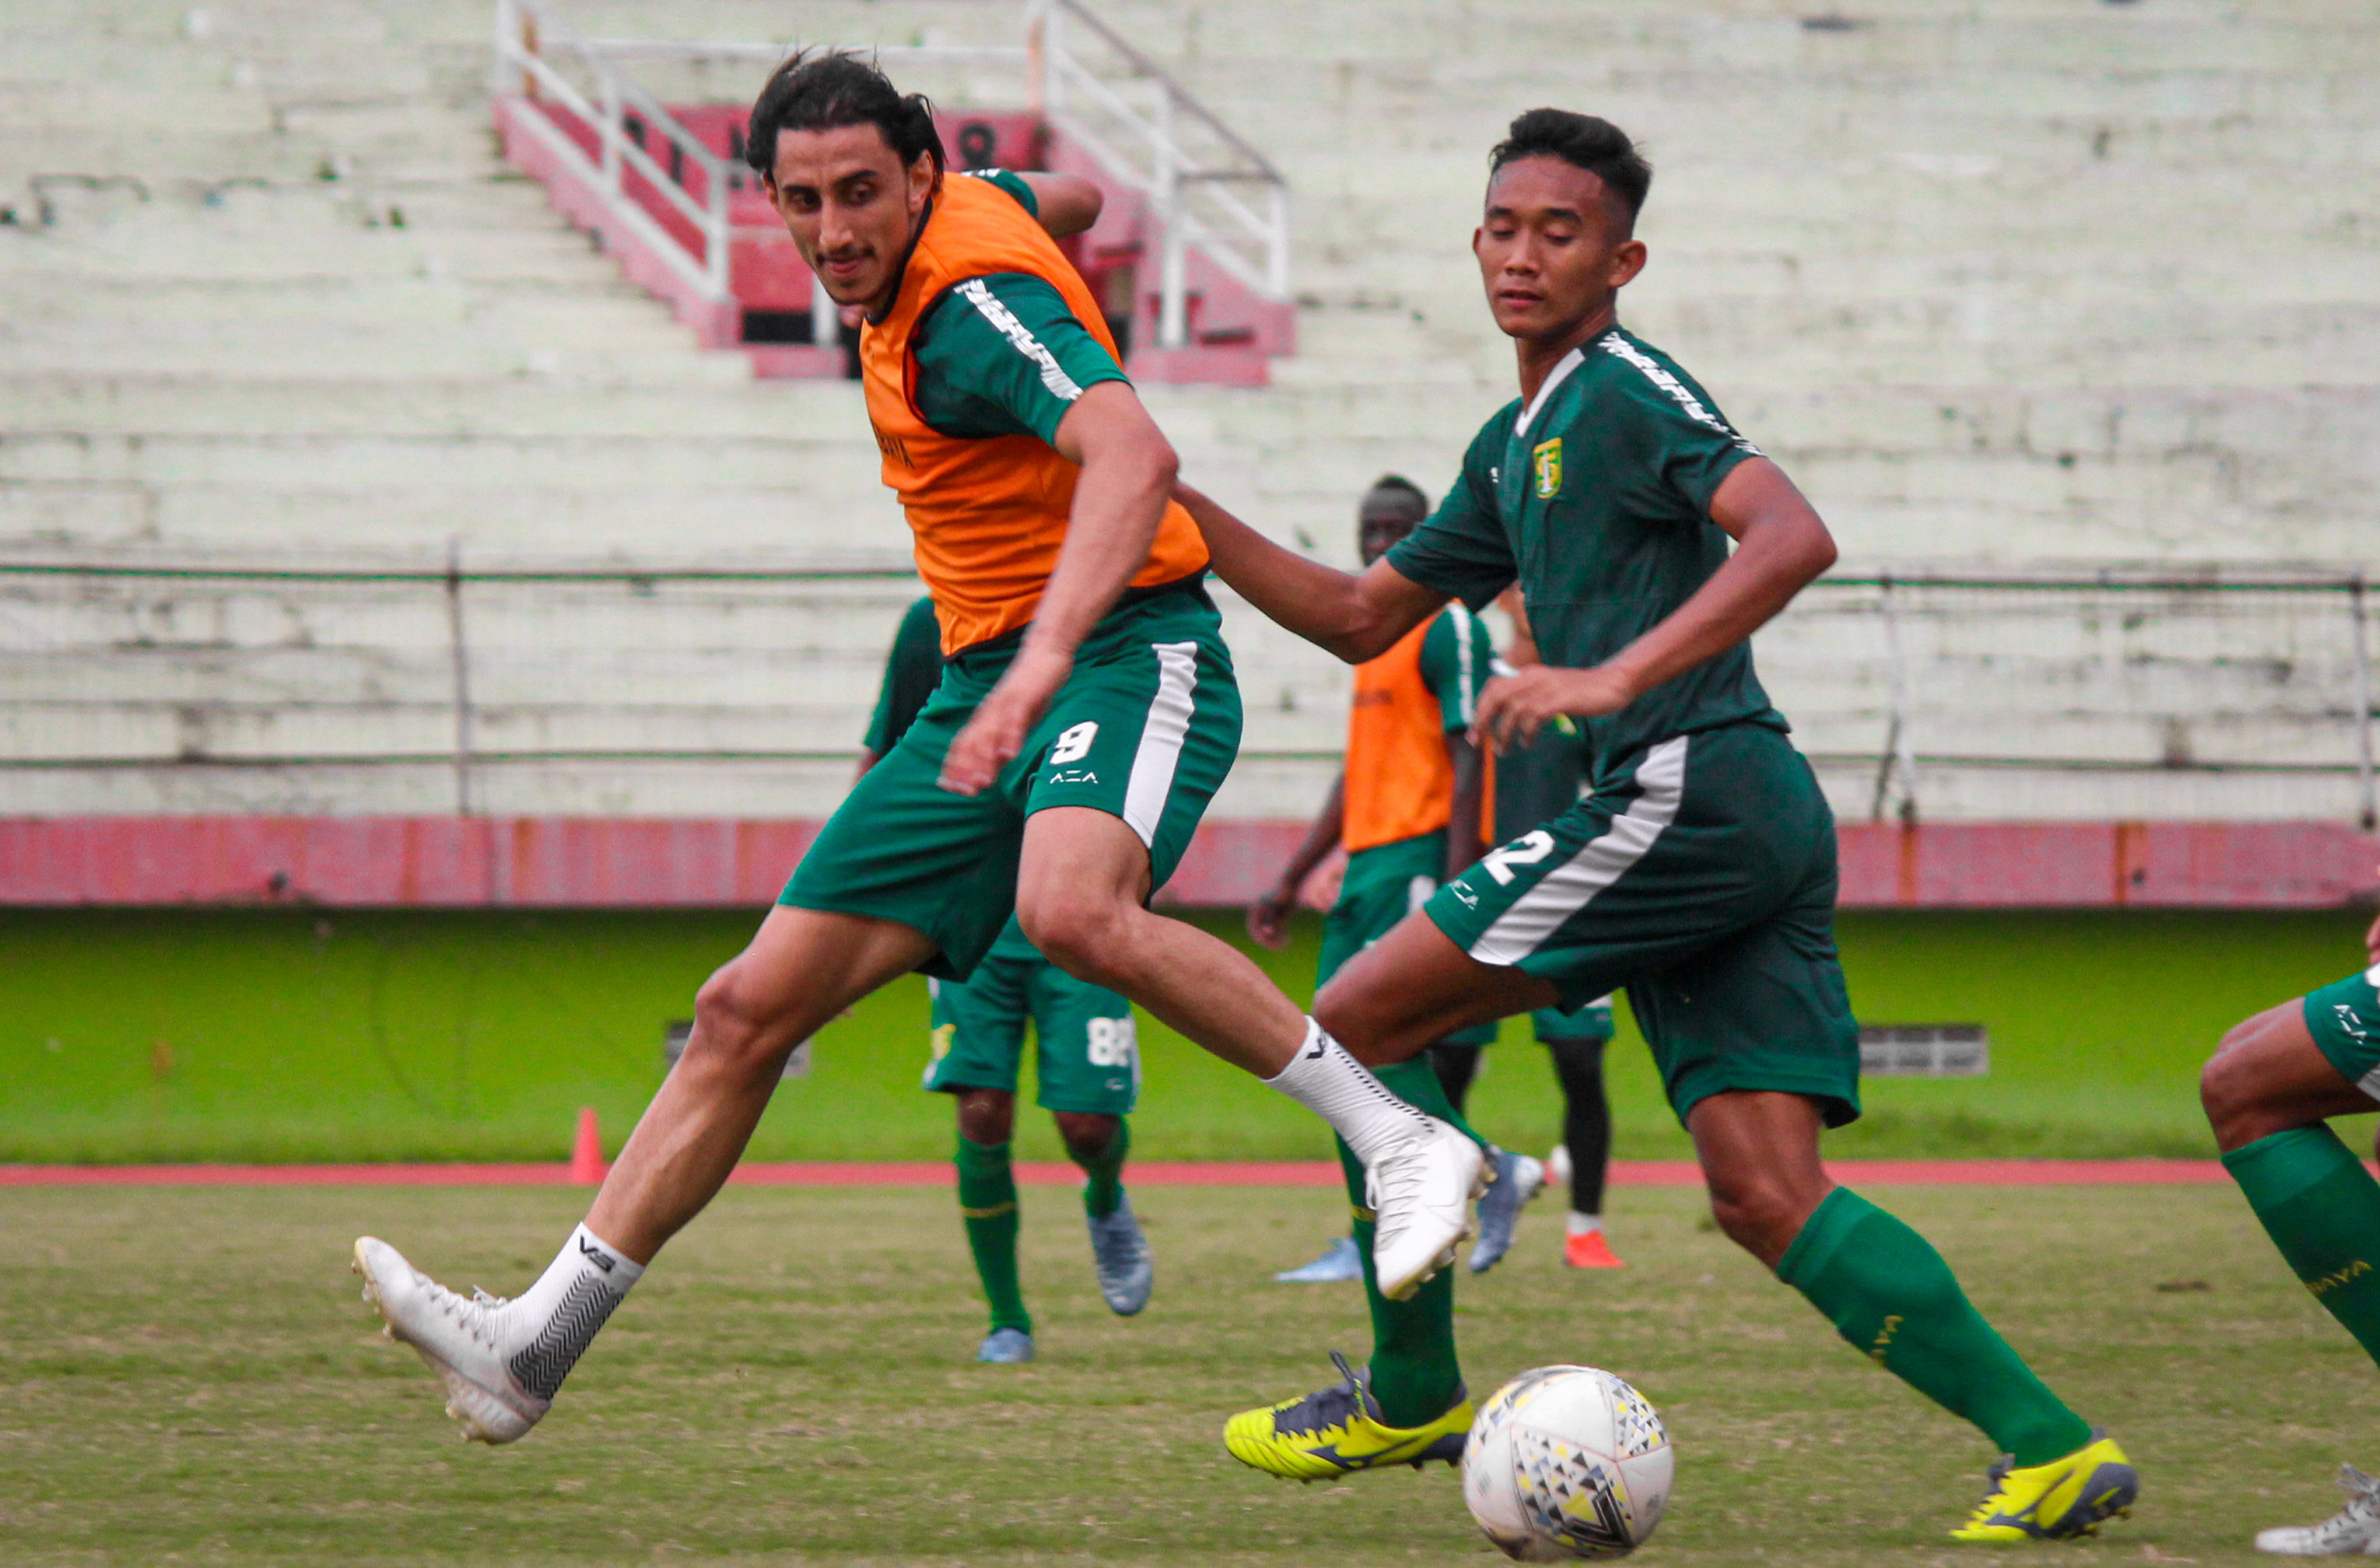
(1588,1249)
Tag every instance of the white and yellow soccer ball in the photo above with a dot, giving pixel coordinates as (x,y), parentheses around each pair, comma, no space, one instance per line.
(1567,1462)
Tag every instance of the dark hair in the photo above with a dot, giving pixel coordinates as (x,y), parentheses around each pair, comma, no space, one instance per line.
(1397,485)
(1582,141)
(815,91)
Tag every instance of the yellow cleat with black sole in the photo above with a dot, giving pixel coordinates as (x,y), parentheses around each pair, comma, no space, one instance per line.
(2061,1500)
(1339,1430)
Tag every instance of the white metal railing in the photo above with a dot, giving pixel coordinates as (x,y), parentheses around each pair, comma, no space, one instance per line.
(534,46)
(1194,164)
(1208,190)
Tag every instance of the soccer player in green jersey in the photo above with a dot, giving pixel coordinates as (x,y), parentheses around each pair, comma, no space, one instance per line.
(1699,872)
(1407,808)
(1087,1059)
(1534,783)
(2270,1092)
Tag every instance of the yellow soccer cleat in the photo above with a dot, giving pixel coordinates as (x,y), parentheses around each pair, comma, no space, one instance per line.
(1338,1430)
(2054,1502)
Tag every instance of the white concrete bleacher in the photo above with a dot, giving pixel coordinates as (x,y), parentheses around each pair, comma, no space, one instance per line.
(2048,283)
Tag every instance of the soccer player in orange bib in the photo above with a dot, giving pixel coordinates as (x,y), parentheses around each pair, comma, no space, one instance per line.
(1085,714)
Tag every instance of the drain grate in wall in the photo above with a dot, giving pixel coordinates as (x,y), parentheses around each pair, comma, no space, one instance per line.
(1924,1051)
(677,1031)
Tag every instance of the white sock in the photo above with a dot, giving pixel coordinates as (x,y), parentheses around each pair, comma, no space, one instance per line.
(1580,1225)
(1341,1090)
(567,1303)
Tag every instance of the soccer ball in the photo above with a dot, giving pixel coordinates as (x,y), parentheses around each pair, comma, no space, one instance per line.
(1567,1462)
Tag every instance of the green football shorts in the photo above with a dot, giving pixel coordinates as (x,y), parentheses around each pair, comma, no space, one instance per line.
(2344,1019)
(1144,730)
(1701,875)
(1086,1052)
(1384,884)
(1592,1022)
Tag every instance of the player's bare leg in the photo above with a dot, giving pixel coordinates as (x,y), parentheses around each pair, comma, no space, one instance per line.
(503,1361)
(803,968)
(1081,883)
(1413,987)
(1891,1295)
(1886,1290)
(2270,1092)
(2268,1076)
(1759,1154)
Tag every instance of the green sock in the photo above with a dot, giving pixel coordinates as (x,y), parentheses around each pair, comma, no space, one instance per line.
(1104,1190)
(987,1203)
(1891,1295)
(1415,1374)
(2322,1210)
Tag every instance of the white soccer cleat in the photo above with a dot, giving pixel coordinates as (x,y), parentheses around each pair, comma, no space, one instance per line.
(2354,1531)
(466,1340)
(1420,1192)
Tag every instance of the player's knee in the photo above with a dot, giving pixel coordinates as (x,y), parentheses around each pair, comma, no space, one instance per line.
(1760,1216)
(2233,1093)
(1083,936)
(987,1115)
(1357,1021)
(1087,1134)
(731,1033)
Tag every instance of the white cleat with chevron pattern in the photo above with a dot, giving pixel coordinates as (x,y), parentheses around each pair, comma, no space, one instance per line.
(487,1358)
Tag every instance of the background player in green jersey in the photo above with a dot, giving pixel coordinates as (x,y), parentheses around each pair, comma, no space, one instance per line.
(1700,871)
(1406,807)
(1534,783)
(2270,1093)
(1087,1059)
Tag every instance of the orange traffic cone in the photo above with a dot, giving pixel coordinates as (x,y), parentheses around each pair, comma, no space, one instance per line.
(587,1151)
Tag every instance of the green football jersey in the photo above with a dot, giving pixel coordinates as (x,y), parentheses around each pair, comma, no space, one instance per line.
(1003,354)
(1596,499)
(911,672)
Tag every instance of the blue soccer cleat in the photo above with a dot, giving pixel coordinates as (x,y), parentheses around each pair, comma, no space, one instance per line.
(1006,1346)
(1518,1179)
(1121,1257)
(1340,1260)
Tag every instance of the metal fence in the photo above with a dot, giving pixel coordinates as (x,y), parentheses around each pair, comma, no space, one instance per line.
(657,692)
(2110,693)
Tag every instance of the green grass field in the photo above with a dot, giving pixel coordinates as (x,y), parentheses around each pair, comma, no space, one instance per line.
(327,1035)
(190,1378)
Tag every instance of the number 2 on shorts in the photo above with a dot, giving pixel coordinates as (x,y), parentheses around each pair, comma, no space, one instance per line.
(1525,851)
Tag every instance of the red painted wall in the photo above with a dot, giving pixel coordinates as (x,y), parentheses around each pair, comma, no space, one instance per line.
(566,862)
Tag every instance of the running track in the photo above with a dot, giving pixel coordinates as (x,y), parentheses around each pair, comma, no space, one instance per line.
(1145,1172)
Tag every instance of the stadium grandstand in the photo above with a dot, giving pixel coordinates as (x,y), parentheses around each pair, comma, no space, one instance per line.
(356,459)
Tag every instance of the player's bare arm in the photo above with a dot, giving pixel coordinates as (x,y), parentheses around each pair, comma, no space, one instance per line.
(1353,616)
(1781,546)
(1269,915)
(1064,204)
(1463,845)
(1128,468)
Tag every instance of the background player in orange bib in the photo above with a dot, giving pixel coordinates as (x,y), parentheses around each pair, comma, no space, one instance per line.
(1408,807)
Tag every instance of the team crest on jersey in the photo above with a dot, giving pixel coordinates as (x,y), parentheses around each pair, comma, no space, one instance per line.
(1545,461)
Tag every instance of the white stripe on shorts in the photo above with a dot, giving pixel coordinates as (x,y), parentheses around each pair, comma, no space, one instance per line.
(1146,791)
(1601,861)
